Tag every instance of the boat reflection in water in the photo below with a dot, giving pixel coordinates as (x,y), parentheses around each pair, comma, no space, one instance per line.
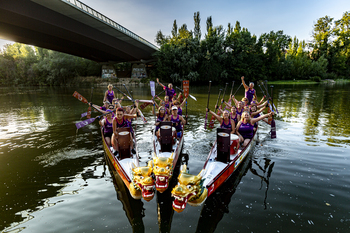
(133,207)
(216,204)
(265,177)
(164,200)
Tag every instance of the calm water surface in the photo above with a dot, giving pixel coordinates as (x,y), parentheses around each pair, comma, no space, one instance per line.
(55,179)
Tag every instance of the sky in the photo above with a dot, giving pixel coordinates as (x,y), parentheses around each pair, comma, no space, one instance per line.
(146,18)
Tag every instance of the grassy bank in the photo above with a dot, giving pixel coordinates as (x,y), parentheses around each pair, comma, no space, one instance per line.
(306,82)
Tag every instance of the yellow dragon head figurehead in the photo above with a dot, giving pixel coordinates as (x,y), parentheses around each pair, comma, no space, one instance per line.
(189,189)
(142,182)
(163,171)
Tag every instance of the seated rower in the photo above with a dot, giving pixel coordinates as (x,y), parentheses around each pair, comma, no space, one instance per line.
(225,121)
(179,106)
(177,120)
(122,121)
(245,127)
(161,116)
(107,124)
(255,113)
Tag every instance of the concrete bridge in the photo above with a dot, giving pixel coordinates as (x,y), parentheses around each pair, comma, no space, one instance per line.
(71,27)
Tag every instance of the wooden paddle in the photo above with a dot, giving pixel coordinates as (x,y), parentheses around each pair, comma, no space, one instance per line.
(186,91)
(206,115)
(89,121)
(229,102)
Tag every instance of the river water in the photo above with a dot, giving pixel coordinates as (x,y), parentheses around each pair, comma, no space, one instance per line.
(55,179)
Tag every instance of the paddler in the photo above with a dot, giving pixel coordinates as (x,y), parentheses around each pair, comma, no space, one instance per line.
(245,127)
(109,94)
(249,91)
(169,90)
(177,120)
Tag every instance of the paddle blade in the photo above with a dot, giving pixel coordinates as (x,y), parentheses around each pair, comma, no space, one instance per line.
(186,87)
(84,114)
(273,129)
(211,123)
(142,117)
(80,97)
(142,106)
(84,123)
(88,115)
(206,119)
(193,97)
(153,88)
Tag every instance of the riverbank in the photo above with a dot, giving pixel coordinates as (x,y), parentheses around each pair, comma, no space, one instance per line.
(308,82)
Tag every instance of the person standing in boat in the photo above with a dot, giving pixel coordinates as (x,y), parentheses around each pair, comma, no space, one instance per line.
(169,90)
(122,121)
(109,94)
(177,120)
(249,91)
(245,127)
(107,124)
(225,121)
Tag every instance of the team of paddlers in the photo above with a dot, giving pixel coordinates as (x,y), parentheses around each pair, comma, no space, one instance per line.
(241,117)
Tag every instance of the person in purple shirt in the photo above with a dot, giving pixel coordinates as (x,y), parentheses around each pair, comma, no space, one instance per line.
(169,90)
(245,127)
(109,94)
(249,91)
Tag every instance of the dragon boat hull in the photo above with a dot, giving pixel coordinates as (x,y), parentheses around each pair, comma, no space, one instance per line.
(216,173)
(221,163)
(129,169)
(166,153)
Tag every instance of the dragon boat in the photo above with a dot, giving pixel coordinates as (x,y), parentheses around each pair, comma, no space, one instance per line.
(167,148)
(136,178)
(223,160)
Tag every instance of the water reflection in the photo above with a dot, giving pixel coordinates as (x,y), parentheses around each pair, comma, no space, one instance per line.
(133,208)
(266,174)
(217,204)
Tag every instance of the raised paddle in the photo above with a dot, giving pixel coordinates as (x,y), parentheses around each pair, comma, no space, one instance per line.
(229,102)
(273,124)
(212,121)
(206,115)
(80,97)
(186,88)
(89,121)
(188,94)
(88,116)
(237,89)
(223,96)
(267,94)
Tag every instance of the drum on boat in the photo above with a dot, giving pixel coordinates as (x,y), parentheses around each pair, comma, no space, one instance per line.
(234,144)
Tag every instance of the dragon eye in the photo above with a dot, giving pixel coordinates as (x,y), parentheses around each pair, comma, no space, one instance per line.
(157,167)
(167,167)
(141,177)
(189,186)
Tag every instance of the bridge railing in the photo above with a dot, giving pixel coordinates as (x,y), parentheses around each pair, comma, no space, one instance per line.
(85,8)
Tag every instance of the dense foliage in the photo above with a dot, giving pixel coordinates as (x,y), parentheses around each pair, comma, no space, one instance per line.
(22,64)
(229,53)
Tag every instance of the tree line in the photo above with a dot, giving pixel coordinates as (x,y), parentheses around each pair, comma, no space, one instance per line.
(221,55)
(228,53)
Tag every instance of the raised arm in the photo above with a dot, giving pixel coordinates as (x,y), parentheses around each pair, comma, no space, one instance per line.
(262,99)
(262,105)
(257,112)
(244,85)
(215,115)
(160,83)
(254,120)
(183,102)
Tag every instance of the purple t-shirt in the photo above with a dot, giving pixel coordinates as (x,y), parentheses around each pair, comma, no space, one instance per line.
(170,93)
(246,130)
(249,95)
